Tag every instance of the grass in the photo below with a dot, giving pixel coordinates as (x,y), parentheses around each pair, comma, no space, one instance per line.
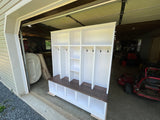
(2,107)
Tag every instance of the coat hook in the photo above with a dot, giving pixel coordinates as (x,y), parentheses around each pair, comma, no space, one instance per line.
(92,50)
(100,51)
(107,51)
(87,50)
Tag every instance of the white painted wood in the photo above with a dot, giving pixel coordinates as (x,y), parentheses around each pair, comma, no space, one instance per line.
(87,63)
(69,62)
(80,65)
(60,61)
(102,66)
(64,62)
(56,62)
(90,58)
(93,68)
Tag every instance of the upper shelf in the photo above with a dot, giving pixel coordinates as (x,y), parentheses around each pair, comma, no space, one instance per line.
(91,35)
(61,38)
(97,36)
(75,37)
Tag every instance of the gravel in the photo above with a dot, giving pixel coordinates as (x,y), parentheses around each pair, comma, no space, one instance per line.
(15,108)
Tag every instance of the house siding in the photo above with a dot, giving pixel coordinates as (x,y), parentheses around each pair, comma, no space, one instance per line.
(6,74)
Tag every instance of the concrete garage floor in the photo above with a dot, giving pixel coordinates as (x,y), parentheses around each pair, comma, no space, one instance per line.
(121,106)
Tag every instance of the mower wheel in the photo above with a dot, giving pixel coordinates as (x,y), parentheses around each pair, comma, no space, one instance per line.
(128,88)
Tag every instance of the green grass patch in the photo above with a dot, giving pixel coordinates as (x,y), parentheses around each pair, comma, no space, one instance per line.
(2,107)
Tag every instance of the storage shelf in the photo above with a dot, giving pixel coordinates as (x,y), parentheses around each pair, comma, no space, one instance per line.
(75,70)
(83,45)
(75,59)
(82,99)
(99,107)
(98,92)
(82,59)
(70,94)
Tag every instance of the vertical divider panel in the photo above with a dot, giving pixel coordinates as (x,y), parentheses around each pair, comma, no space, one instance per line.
(80,71)
(53,66)
(69,62)
(109,71)
(105,111)
(69,56)
(89,101)
(93,68)
(60,58)
(65,92)
(56,87)
(76,95)
(56,60)
(80,77)
(110,60)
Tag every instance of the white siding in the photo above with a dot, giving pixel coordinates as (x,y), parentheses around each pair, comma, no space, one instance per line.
(6,75)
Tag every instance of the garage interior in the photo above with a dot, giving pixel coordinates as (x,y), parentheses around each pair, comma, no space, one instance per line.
(137,32)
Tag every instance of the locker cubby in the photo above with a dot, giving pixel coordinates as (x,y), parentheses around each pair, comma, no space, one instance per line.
(98,36)
(60,38)
(82,60)
(75,52)
(64,52)
(75,37)
(56,62)
(52,87)
(74,75)
(60,90)
(75,65)
(97,106)
(102,61)
(82,99)
(70,94)
(87,64)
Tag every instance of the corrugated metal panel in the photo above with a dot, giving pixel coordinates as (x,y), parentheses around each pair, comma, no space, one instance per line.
(6,74)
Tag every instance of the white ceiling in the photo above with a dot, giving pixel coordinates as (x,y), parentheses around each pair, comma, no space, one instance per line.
(135,11)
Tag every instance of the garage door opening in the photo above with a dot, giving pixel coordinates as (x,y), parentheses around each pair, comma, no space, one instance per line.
(132,50)
(36,39)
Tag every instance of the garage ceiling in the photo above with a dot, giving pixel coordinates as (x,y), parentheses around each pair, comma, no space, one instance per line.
(136,11)
(105,13)
(141,10)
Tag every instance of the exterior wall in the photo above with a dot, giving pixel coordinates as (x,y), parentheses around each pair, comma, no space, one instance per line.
(6,74)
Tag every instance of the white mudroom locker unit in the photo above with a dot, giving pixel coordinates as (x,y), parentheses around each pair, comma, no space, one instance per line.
(82,60)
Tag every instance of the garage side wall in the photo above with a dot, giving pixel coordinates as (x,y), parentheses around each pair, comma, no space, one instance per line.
(6,74)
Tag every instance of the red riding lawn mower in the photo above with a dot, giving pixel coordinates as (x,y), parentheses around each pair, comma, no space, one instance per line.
(147,85)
